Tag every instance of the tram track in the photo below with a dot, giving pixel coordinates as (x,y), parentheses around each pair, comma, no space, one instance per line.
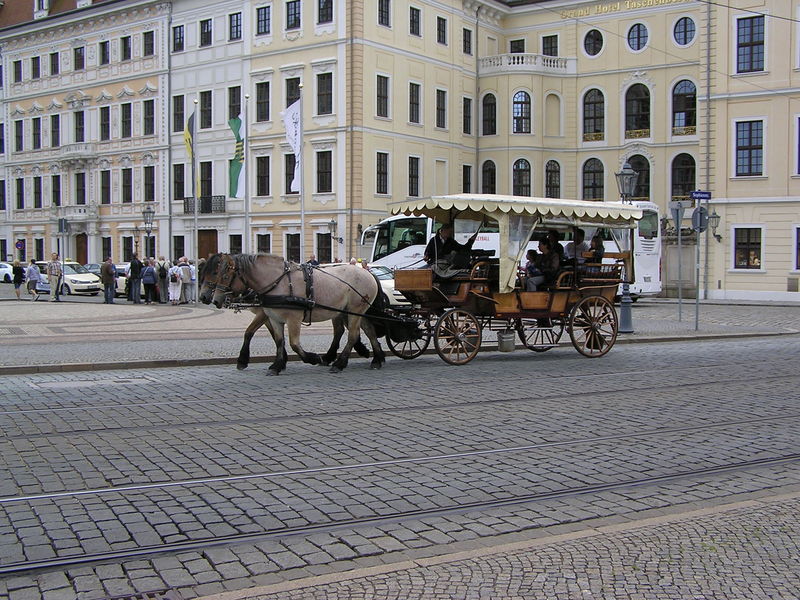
(199,544)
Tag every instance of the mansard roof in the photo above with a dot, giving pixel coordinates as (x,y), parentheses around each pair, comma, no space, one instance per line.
(19,12)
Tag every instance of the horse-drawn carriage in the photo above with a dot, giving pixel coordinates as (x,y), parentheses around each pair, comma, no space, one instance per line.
(489,293)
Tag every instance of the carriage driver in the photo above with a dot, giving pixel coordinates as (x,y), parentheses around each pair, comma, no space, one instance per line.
(442,245)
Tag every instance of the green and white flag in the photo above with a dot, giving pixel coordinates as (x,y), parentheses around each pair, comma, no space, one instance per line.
(236,166)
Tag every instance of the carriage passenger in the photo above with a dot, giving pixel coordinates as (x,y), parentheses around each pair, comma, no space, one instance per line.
(546,265)
(577,247)
(555,245)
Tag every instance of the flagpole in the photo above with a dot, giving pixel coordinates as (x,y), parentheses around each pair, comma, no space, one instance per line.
(195,200)
(300,184)
(246,247)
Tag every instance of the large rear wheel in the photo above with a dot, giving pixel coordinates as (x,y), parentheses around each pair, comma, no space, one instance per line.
(540,335)
(457,336)
(593,326)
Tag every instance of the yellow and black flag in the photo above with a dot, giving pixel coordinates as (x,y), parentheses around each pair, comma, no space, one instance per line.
(188,136)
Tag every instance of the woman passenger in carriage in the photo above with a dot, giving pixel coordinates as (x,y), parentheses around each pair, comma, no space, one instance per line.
(546,265)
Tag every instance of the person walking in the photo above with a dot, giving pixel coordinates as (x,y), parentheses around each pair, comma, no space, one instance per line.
(108,277)
(149,279)
(19,276)
(186,279)
(34,276)
(135,279)
(175,285)
(54,277)
(162,268)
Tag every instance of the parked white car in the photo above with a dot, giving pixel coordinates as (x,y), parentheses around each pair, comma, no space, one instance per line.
(122,281)
(385,277)
(77,280)
(6,273)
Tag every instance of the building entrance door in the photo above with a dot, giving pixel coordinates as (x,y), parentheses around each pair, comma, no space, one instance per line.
(206,242)
(81,246)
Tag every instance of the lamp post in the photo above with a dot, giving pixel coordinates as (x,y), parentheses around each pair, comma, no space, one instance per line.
(332,231)
(626,183)
(713,222)
(147,214)
(136,239)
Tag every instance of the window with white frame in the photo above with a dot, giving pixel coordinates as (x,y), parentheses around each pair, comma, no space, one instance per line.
(292,250)
(384,13)
(466,41)
(205,109)
(466,126)
(466,179)
(293,8)
(178,39)
(263,20)
(235,26)
(205,32)
(750,44)
(126,120)
(177,113)
(148,43)
(324,172)
(550,45)
(382,96)
(325,93)
(441,109)
(413,176)
(522,112)
(441,30)
(414,21)
(414,102)
(324,11)
(747,247)
(292,90)
(263,243)
(749,148)
(382,173)
(262,176)
(262,101)
(125,48)
(796,261)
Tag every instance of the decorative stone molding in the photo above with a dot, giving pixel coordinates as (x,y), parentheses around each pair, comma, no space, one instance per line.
(148,90)
(104,97)
(638,77)
(323,143)
(261,76)
(55,104)
(125,160)
(18,110)
(324,65)
(77,99)
(126,91)
(323,198)
(36,108)
(325,29)
(293,70)
(634,149)
(149,159)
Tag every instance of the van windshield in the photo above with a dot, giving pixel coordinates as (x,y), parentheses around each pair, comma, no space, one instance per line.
(396,235)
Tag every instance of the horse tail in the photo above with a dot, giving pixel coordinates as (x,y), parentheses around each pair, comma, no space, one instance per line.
(376,313)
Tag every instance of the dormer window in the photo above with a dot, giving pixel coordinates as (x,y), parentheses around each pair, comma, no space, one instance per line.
(41,8)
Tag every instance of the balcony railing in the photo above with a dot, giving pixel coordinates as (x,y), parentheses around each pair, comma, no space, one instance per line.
(527,63)
(689,130)
(207,205)
(634,134)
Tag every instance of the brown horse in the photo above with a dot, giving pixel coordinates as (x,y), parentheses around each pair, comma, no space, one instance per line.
(340,292)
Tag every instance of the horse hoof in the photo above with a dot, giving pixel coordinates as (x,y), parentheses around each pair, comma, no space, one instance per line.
(271,372)
(241,366)
(375,366)
(313,359)
(335,369)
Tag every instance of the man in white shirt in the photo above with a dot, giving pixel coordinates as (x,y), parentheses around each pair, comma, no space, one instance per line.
(577,247)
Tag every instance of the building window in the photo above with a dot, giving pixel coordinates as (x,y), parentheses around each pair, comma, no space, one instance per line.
(105,187)
(149,117)
(594,110)
(80,125)
(2,202)
(55,131)
(178,245)
(466,179)
(441,30)
(489,115)
(747,247)
(17,71)
(177,113)
(263,20)
(324,11)
(106,244)
(205,109)
(522,112)
(550,45)
(289,163)
(466,41)
(384,13)
(516,46)
(382,173)
(235,27)
(642,166)
(78,59)
(292,90)
(148,43)
(750,44)
(324,172)
(125,48)
(105,52)
(292,14)
(293,247)
(126,120)
(263,243)
(325,93)
(413,102)
(637,112)
(683,32)
(177,38)
(54,63)
(37,192)
(19,136)
(324,250)
(683,176)
(178,181)
(488,178)
(593,173)
(36,67)
(105,123)
(262,101)
(36,131)
(796,240)
(262,176)
(749,148)
(20,193)
(80,188)
(234,102)
(414,21)
(206,179)
(55,190)
(637,37)
(593,42)
(127,185)
(2,138)
(467,114)
(441,109)
(149,183)
(382,96)
(413,176)
(127,248)
(235,243)
(205,32)
(521,178)
(684,108)
(552,179)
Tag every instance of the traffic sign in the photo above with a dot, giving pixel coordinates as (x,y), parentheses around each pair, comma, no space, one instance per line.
(700,219)
(676,208)
(700,195)
(19,245)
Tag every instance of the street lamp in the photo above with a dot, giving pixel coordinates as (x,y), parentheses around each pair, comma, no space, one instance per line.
(713,222)
(626,183)
(147,214)
(136,239)
(332,231)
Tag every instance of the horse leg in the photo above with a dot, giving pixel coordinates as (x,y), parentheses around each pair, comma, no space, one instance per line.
(259,319)
(353,329)
(281,357)
(294,341)
(338,331)
(378,355)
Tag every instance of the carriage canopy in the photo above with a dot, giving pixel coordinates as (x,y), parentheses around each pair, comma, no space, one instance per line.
(518,216)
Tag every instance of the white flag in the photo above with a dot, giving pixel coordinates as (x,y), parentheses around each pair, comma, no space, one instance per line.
(293,122)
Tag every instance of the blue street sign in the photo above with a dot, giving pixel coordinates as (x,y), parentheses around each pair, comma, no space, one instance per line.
(700,195)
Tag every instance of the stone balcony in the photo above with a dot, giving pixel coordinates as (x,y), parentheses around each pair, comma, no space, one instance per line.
(527,63)
(77,154)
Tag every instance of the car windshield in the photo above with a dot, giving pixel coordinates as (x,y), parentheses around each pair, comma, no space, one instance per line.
(74,269)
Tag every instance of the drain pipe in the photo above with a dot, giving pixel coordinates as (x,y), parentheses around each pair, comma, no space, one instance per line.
(477,98)
(170,126)
(707,174)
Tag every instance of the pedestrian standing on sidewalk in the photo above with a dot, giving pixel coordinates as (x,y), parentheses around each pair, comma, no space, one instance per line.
(135,279)
(186,279)
(162,268)
(149,279)
(108,277)
(54,277)
(19,276)
(175,285)
(34,276)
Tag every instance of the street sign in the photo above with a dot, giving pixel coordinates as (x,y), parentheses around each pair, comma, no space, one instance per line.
(20,245)
(677,208)
(63,226)
(700,219)
(700,195)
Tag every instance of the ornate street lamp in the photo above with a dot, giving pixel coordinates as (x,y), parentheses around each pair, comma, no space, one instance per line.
(136,239)
(332,231)
(147,214)
(713,222)
(626,183)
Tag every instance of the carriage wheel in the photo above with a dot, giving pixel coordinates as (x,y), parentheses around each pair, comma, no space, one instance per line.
(540,335)
(593,326)
(413,348)
(457,336)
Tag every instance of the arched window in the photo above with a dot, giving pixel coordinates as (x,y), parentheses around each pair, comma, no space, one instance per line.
(637,111)
(593,180)
(521,176)
(684,108)
(683,176)
(642,166)
(489,115)
(488,178)
(522,112)
(552,179)
(594,116)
